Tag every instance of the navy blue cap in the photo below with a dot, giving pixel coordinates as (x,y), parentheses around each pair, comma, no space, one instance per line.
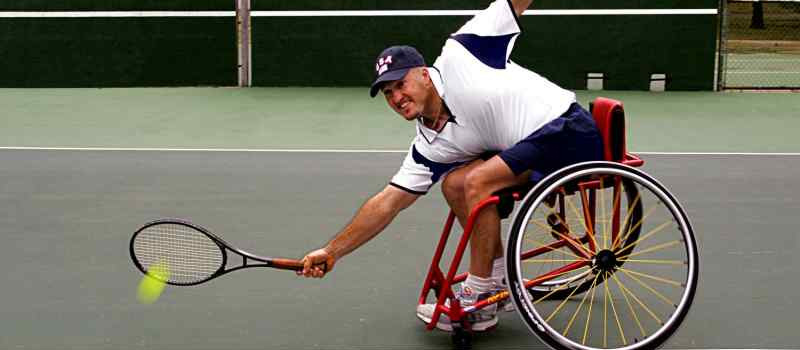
(393,64)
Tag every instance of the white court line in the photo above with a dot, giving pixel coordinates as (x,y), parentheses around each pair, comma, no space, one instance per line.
(149,149)
(115,14)
(473,12)
(793,154)
(358,13)
(289,150)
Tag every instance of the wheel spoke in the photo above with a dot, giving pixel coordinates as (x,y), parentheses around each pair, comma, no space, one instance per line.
(570,241)
(616,316)
(630,306)
(551,230)
(560,287)
(552,260)
(653,249)
(574,315)
(652,232)
(636,226)
(589,314)
(652,261)
(551,249)
(655,278)
(605,315)
(627,218)
(642,304)
(563,302)
(615,212)
(585,217)
(603,213)
(646,286)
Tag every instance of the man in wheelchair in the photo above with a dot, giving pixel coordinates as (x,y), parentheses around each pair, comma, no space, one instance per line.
(483,124)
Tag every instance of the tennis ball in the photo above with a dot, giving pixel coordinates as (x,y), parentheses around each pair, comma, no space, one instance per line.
(153,283)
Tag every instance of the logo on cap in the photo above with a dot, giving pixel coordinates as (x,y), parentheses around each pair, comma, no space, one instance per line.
(383,64)
(393,63)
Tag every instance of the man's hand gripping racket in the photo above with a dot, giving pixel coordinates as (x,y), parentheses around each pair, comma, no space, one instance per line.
(194,255)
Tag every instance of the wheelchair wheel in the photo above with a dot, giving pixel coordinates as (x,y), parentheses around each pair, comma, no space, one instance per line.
(569,212)
(601,256)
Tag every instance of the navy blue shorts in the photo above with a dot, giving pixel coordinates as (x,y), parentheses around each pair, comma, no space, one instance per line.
(569,139)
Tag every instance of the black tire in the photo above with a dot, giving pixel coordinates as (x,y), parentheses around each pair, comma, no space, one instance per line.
(462,339)
(552,320)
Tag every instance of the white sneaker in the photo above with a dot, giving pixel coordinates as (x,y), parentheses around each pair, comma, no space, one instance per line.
(506,304)
(482,320)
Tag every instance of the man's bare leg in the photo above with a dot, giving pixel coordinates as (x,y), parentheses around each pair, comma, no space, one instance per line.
(480,183)
(485,245)
(455,195)
(455,192)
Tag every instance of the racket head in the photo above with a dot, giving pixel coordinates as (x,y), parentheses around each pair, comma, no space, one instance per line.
(190,253)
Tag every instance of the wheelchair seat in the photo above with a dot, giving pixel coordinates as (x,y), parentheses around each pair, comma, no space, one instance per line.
(609,115)
(610,119)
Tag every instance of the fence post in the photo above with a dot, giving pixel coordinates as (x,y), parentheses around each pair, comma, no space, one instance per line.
(243,41)
(721,46)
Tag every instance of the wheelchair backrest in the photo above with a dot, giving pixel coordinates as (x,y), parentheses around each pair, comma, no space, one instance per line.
(610,119)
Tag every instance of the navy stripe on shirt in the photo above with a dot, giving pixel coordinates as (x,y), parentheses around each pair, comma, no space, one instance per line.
(491,50)
(438,169)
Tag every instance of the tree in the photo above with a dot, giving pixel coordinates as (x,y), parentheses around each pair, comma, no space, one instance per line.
(757,21)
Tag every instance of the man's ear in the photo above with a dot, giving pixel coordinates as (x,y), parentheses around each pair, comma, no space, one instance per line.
(426,77)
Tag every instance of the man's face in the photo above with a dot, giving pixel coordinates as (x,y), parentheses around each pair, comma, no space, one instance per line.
(407,96)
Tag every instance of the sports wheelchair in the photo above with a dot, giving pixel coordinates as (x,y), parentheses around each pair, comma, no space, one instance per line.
(599,255)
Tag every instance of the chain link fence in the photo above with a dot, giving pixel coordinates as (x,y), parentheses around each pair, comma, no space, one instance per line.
(760,44)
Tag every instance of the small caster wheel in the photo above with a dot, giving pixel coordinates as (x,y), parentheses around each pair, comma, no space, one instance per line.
(462,339)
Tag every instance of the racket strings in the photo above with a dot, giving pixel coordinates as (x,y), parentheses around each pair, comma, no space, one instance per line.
(189,255)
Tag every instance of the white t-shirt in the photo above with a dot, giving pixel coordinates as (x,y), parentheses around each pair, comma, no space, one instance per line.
(494,102)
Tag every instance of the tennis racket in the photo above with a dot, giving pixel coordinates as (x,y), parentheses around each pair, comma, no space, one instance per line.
(192,254)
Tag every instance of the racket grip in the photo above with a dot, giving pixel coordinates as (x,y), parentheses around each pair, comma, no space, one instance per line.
(287,264)
(294,265)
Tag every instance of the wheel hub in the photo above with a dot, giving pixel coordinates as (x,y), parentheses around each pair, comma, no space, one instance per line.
(605,261)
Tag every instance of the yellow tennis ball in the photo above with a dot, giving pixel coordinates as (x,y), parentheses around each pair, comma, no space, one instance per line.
(153,283)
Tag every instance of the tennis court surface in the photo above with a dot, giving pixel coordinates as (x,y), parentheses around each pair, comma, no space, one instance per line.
(70,204)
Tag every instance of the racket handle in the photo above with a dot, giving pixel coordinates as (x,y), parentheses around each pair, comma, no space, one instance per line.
(287,264)
(294,265)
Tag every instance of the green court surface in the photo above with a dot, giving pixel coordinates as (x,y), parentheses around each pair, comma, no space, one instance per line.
(346,118)
(67,216)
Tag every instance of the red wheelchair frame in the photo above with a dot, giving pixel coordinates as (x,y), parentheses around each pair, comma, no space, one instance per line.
(610,119)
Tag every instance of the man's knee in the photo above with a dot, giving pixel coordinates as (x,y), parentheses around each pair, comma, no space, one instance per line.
(477,184)
(453,183)
(453,187)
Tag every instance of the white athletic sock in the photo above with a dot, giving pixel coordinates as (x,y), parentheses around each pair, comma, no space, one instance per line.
(498,271)
(479,285)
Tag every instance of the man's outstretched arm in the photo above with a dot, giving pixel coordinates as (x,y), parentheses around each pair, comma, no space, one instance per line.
(376,213)
(520,6)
